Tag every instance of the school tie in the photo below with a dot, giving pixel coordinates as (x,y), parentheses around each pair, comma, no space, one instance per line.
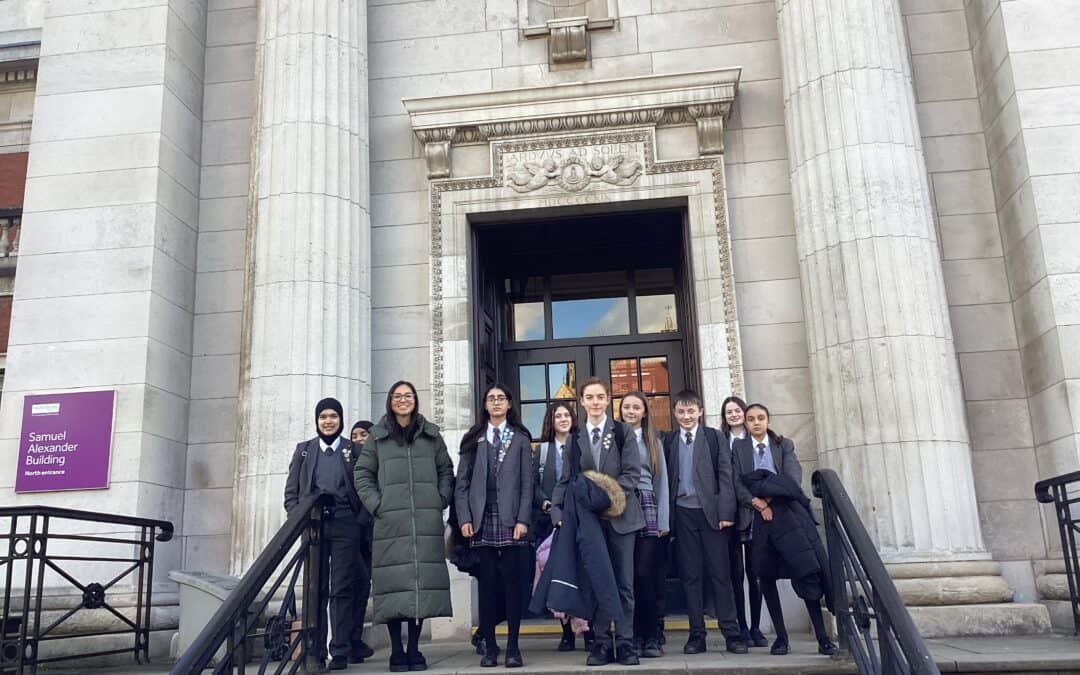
(596,435)
(329,451)
(497,442)
(558,461)
(761,454)
(689,439)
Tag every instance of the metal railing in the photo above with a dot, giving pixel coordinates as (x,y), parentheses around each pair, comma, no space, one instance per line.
(864,595)
(1056,491)
(286,640)
(37,543)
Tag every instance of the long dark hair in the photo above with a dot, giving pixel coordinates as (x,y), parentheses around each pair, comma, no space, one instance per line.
(472,436)
(723,413)
(547,431)
(399,433)
(652,444)
(773,436)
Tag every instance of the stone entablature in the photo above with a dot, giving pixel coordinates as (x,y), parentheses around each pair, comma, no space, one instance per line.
(703,98)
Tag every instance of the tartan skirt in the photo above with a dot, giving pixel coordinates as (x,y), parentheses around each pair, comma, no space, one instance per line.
(493,533)
(649,507)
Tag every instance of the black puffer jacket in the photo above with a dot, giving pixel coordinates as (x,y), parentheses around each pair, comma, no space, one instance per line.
(578,579)
(788,546)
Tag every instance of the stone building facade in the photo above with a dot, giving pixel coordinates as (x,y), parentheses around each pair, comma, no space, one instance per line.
(235,207)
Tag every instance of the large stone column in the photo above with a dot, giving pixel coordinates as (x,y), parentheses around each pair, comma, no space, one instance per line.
(307,305)
(887,395)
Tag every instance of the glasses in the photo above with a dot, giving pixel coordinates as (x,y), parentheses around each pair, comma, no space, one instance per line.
(497,399)
(402,397)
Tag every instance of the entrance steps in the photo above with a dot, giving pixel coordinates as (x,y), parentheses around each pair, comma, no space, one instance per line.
(1057,653)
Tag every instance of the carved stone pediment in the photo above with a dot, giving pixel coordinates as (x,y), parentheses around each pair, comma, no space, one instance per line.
(701,98)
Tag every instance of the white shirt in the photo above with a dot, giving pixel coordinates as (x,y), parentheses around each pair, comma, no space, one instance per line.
(493,431)
(335,445)
(731,441)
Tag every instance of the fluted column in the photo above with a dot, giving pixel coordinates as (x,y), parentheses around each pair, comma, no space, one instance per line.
(307,304)
(888,402)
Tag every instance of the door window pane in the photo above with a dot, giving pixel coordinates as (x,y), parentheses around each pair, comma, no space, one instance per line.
(656,314)
(660,413)
(624,375)
(532,416)
(590,317)
(528,321)
(531,379)
(562,381)
(655,378)
(616,405)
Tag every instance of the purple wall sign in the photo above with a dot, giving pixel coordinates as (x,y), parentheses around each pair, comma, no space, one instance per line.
(66,441)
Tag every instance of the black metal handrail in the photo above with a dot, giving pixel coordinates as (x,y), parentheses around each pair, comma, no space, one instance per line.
(31,547)
(863,593)
(239,622)
(1056,491)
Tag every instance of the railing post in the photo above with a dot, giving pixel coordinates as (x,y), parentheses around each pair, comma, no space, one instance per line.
(836,573)
(314,615)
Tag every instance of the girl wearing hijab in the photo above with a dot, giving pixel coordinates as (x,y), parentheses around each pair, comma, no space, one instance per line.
(406,480)
(494,499)
(326,463)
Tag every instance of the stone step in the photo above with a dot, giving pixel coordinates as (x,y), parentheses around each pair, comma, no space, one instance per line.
(1057,653)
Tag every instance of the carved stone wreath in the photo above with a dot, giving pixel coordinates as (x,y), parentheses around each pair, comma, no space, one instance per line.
(650,166)
(573,173)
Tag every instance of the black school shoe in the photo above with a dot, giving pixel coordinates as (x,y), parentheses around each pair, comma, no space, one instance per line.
(399,663)
(338,663)
(567,643)
(359,652)
(736,646)
(652,650)
(627,655)
(780,647)
(695,644)
(600,654)
(757,638)
(513,658)
(827,648)
(491,657)
(416,661)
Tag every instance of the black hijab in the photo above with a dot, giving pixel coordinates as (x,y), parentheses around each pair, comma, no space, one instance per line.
(329,404)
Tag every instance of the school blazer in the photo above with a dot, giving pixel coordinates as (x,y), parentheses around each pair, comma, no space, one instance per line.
(545,472)
(514,479)
(742,455)
(712,475)
(622,464)
(299,482)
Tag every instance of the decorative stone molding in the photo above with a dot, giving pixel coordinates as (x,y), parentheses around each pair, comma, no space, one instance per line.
(505,162)
(568,40)
(573,173)
(702,98)
(566,24)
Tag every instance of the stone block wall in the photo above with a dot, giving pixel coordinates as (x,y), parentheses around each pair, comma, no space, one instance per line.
(440,47)
(106,285)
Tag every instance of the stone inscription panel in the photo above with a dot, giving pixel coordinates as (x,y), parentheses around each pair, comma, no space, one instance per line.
(571,168)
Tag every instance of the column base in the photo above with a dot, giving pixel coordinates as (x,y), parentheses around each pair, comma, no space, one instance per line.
(958,599)
(1053,588)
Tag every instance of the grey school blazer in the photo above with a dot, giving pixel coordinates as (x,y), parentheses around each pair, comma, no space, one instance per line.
(624,465)
(742,456)
(514,479)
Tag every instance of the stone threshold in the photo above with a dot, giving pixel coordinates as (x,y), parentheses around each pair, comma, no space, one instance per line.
(1058,653)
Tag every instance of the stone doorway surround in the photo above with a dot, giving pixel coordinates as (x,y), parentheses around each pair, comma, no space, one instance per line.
(606,145)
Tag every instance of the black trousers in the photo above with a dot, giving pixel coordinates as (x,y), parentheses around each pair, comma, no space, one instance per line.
(702,551)
(338,577)
(740,561)
(500,568)
(361,583)
(620,549)
(647,588)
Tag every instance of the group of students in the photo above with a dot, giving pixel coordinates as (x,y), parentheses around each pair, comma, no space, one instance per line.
(595,504)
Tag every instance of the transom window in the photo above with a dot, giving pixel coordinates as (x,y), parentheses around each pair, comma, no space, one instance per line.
(592,304)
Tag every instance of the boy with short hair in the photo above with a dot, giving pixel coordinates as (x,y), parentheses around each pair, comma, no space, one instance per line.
(703,517)
(609,447)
